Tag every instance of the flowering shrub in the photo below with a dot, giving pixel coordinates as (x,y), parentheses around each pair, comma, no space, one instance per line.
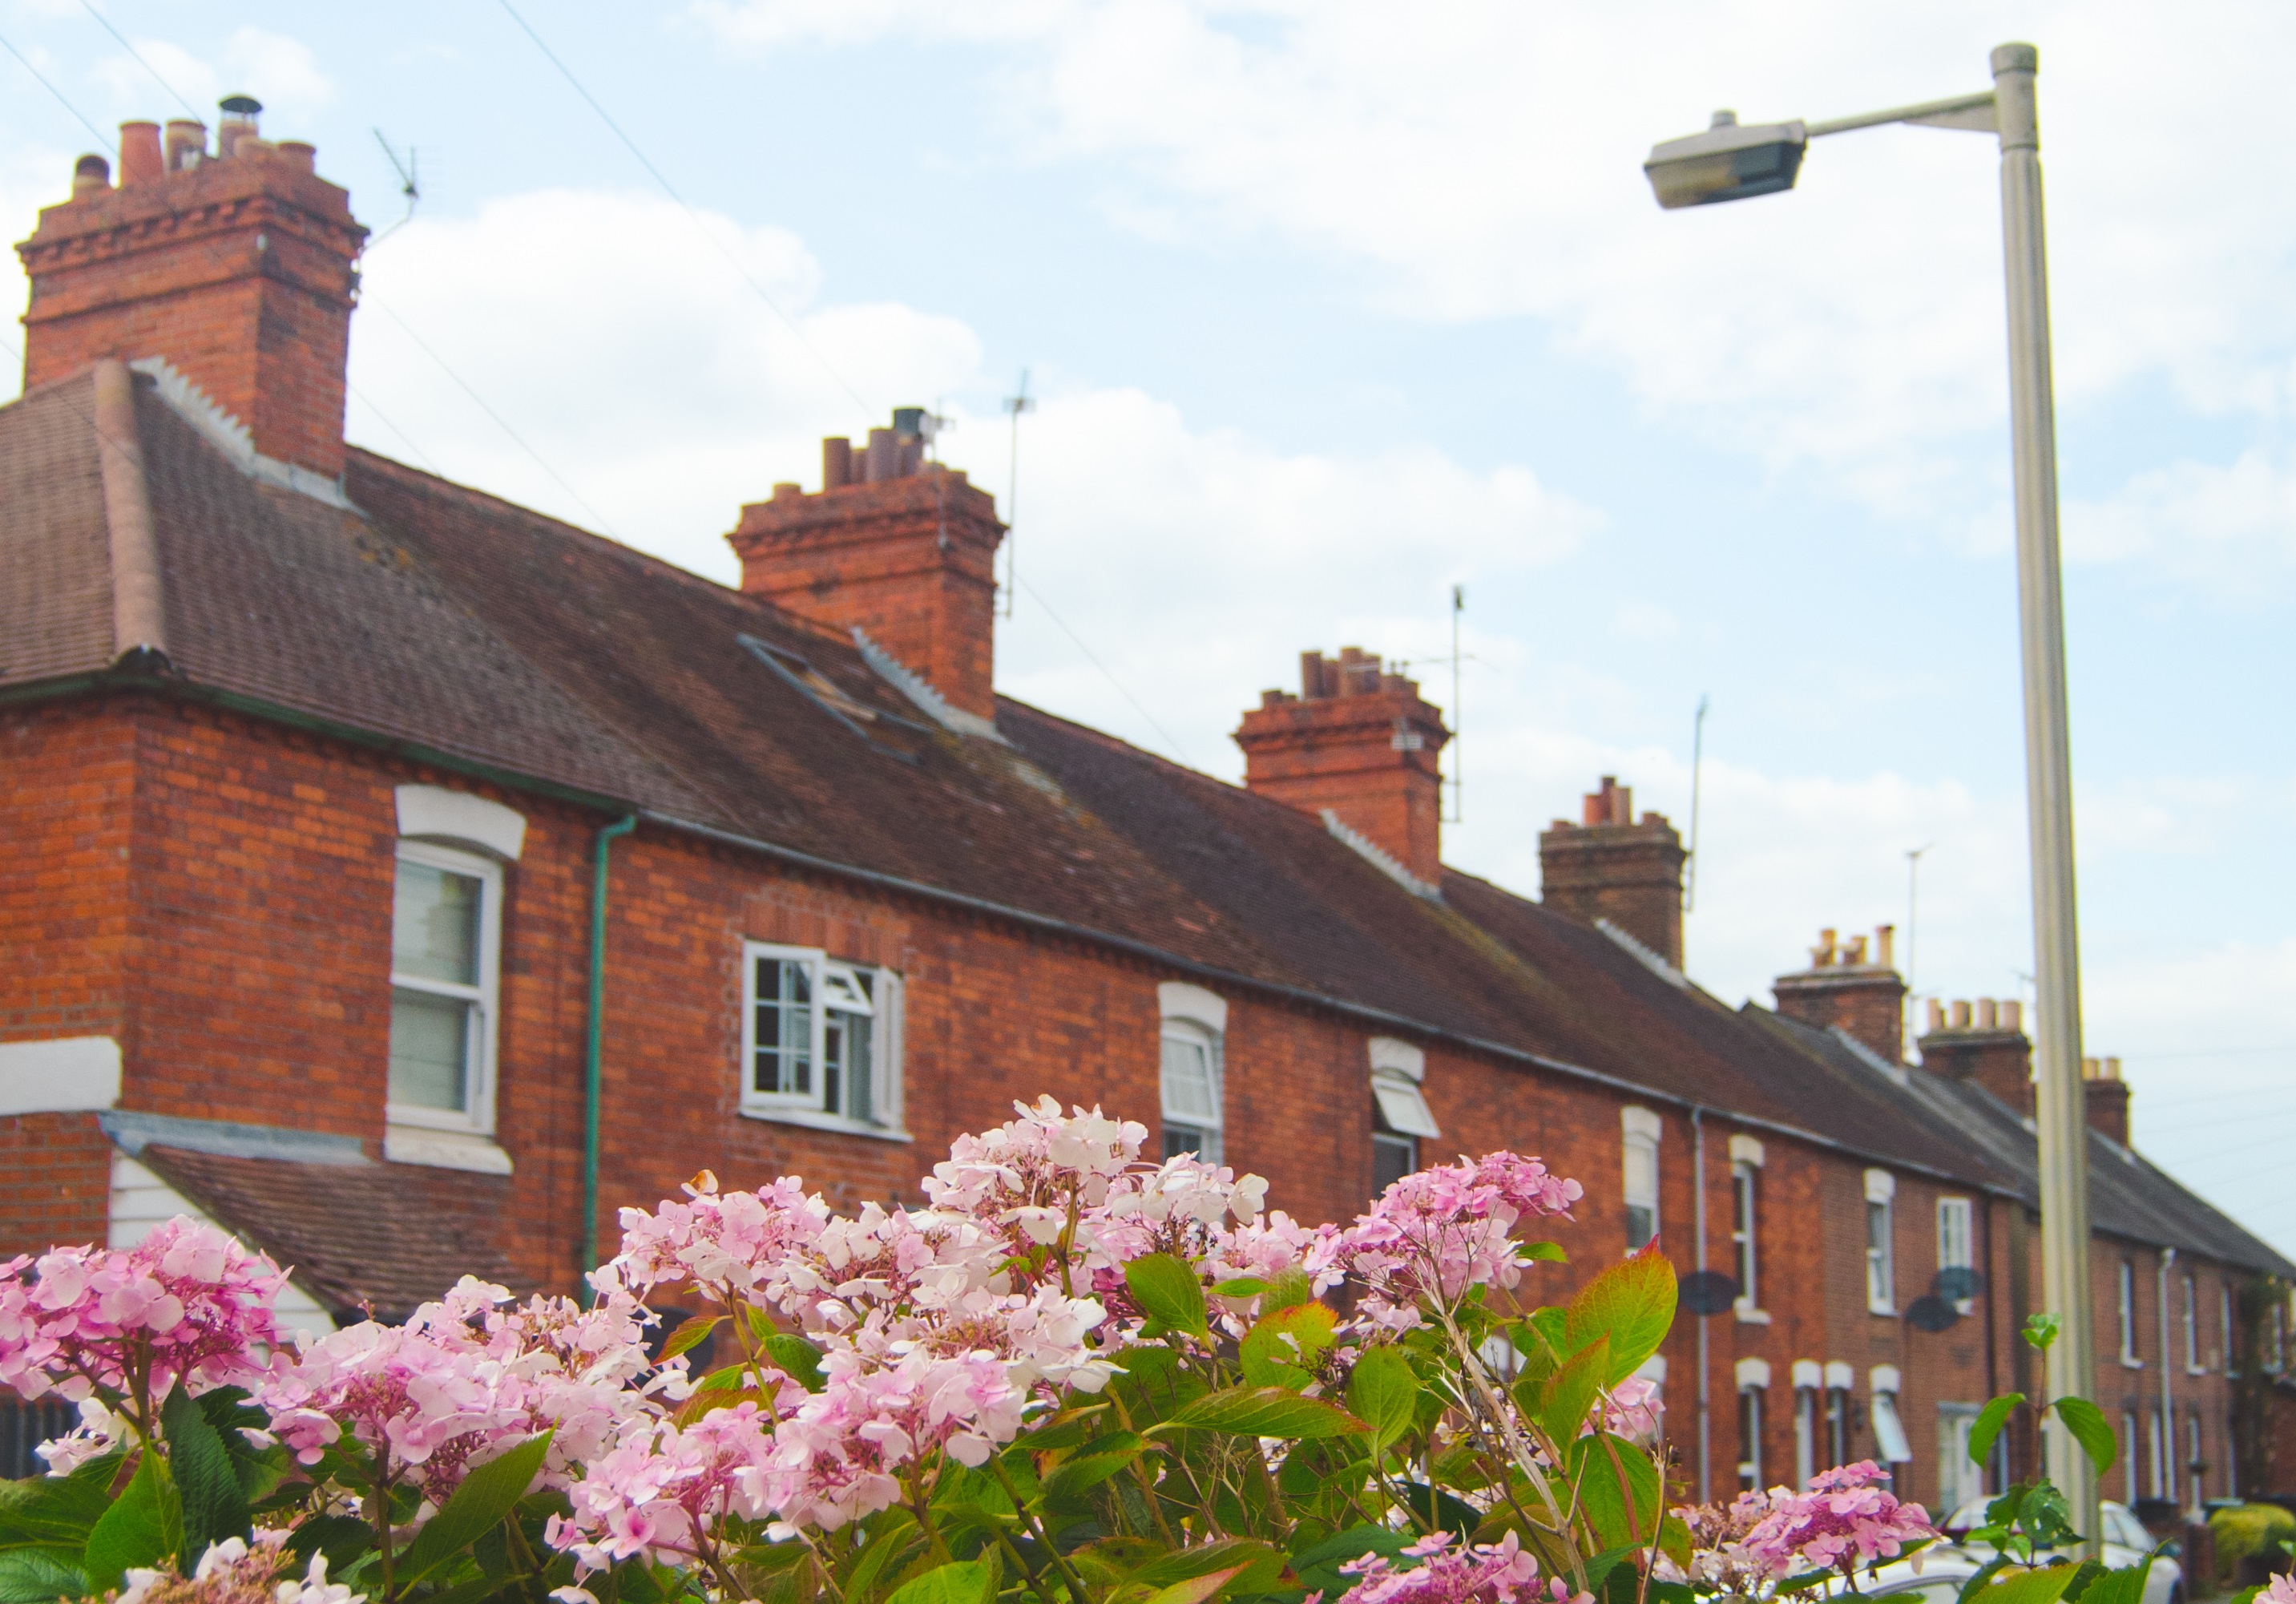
(1071,1376)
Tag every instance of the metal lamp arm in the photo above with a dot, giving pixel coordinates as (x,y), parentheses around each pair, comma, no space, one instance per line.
(1971,113)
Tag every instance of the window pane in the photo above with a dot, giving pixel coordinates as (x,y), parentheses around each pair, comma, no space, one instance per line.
(430,1051)
(1189,1138)
(1188,1082)
(1642,1224)
(1393,1157)
(1642,1173)
(434,924)
(784,1029)
(846,1061)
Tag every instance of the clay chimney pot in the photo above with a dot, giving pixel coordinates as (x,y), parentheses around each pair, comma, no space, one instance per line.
(139,159)
(303,157)
(1960,1016)
(91,175)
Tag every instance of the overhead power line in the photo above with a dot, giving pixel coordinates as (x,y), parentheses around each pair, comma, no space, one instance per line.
(105,23)
(871,413)
(101,138)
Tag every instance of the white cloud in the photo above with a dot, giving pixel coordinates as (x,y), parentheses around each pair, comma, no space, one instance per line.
(2228,527)
(278,70)
(1484,155)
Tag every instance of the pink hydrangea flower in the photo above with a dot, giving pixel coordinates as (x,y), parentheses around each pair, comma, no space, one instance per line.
(1496,1572)
(1846,1519)
(187,1301)
(1439,1232)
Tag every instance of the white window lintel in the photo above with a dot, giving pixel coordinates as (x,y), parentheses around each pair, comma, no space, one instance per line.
(1839,1373)
(1881,1186)
(1809,1372)
(1177,999)
(1745,1150)
(434,813)
(1885,1378)
(1639,1121)
(1402,1058)
(1754,1372)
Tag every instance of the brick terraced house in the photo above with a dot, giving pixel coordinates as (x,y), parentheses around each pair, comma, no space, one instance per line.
(405,879)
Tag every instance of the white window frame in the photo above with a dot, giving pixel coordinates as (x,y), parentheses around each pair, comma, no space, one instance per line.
(1753,1393)
(1957,1231)
(1194,1016)
(1889,1420)
(1881,1256)
(2193,1365)
(808,1108)
(478,1118)
(1641,1130)
(2131,1440)
(1959,1479)
(1746,1226)
(2125,1302)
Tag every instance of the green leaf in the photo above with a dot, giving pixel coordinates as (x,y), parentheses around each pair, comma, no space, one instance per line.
(1632,1303)
(1063,1430)
(1384,1393)
(1573,1389)
(1195,1589)
(34,1575)
(62,1510)
(1550,1252)
(478,1506)
(214,1504)
(2041,1330)
(1243,1286)
(1260,1562)
(2083,1579)
(1167,1289)
(1267,1411)
(1996,1415)
(1072,1477)
(2085,1421)
(142,1529)
(2030,1587)
(899,1532)
(959,1582)
(799,1359)
(691,1334)
(341,1538)
(1621,1515)
(1282,1349)
(2123,1586)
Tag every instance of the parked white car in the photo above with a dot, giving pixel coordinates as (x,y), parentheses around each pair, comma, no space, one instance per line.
(1945,1568)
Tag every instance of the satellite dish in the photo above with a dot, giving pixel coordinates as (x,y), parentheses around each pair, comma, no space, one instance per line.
(1929,1313)
(1957,1284)
(1706,1292)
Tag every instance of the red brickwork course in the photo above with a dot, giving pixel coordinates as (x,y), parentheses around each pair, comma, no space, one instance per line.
(1611,867)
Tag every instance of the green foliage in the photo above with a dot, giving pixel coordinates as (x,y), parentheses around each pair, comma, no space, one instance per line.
(1267,1411)
(1631,1302)
(1990,1422)
(145,1528)
(2247,1530)
(2086,1422)
(486,1495)
(1167,1289)
(213,1500)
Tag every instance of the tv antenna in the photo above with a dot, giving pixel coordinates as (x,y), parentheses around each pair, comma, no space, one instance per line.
(1015,406)
(1697,771)
(1458,781)
(1913,912)
(409,186)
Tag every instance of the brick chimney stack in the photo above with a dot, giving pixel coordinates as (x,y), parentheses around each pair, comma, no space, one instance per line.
(1984,1042)
(902,548)
(1611,867)
(2106,1097)
(1359,742)
(1854,985)
(234,265)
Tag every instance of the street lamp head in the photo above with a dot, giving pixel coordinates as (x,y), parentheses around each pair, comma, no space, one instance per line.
(1727,162)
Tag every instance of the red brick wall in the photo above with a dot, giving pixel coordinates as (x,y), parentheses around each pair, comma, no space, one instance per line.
(1629,874)
(1337,750)
(237,272)
(56,1182)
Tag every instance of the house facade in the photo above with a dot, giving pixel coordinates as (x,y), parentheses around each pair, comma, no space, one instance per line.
(407,880)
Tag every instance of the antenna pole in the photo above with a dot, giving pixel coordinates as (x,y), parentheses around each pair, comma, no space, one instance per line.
(1697,764)
(1015,405)
(1459,760)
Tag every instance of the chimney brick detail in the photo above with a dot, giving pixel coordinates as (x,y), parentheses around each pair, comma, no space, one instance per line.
(2104,1096)
(906,552)
(1852,984)
(238,272)
(1360,742)
(1609,866)
(1985,1042)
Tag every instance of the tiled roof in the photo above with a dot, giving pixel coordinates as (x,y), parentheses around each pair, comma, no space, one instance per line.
(450,620)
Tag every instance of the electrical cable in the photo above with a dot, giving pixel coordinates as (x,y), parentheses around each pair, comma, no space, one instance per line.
(105,23)
(1177,750)
(670,189)
(101,138)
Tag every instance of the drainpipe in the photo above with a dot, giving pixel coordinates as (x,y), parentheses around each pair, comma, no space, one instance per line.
(593,1077)
(2167,1399)
(1698,1252)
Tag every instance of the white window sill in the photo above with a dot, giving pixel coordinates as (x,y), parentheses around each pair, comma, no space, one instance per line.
(2126,1363)
(814,1120)
(444,1150)
(1750,1317)
(2196,1369)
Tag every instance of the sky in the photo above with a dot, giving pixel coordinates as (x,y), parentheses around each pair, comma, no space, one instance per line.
(1327,306)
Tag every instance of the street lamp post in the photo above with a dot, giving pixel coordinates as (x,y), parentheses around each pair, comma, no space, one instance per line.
(1730,163)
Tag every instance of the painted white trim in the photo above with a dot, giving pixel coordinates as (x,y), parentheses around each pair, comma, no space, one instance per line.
(64,1074)
(813,1119)
(1885,1378)
(444,1150)
(1745,1150)
(1881,1186)
(1177,999)
(1402,1058)
(1754,1372)
(438,814)
(1638,1120)
(1809,1372)
(1838,1373)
